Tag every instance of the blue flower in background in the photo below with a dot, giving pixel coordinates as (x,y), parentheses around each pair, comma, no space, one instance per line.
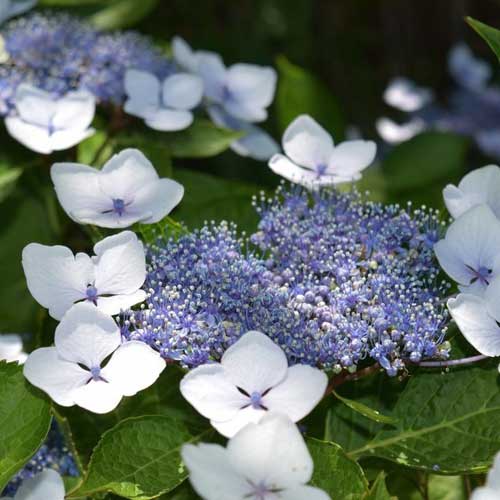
(333,280)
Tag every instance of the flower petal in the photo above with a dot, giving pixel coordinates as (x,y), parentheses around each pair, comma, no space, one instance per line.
(143,91)
(98,397)
(254,85)
(33,137)
(55,277)
(86,336)
(120,264)
(11,347)
(484,493)
(213,72)
(168,120)
(34,105)
(212,394)
(65,139)
(481,186)
(134,366)
(302,492)
(395,133)
(255,363)
(351,157)
(299,393)
(182,91)
(467,70)
(46,485)
(117,303)
(307,143)
(211,473)
(45,369)
(273,450)
(75,111)
(470,313)
(184,56)
(282,166)
(405,95)
(231,427)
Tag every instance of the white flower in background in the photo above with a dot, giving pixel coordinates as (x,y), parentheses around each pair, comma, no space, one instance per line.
(45,124)
(264,461)
(125,191)
(313,160)
(110,280)
(395,133)
(481,186)
(470,251)
(72,372)
(164,106)
(11,8)
(11,348)
(405,95)
(467,70)
(46,485)
(252,378)
(235,97)
(491,490)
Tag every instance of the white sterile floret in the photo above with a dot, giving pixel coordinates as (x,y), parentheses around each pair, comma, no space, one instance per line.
(11,348)
(405,95)
(166,105)
(264,461)
(469,71)
(252,378)
(72,372)
(491,490)
(125,191)
(470,251)
(395,133)
(46,485)
(481,186)
(313,160)
(110,280)
(44,123)
(11,8)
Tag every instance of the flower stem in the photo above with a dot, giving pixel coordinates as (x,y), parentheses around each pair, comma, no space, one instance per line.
(342,378)
(453,362)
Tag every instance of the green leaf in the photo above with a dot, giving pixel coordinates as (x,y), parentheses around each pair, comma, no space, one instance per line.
(212,198)
(139,459)
(366,411)
(334,472)
(8,179)
(489,34)
(122,14)
(447,488)
(95,150)
(300,92)
(24,420)
(445,423)
(378,491)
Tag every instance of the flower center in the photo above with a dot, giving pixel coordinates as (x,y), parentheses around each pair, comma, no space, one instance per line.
(96,373)
(256,400)
(91,294)
(118,206)
(226,94)
(259,491)
(482,274)
(321,169)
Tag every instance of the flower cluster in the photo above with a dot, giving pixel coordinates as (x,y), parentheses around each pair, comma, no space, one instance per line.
(53,454)
(60,53)
(335,280)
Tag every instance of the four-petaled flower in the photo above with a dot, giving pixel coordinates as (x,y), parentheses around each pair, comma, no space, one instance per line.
(491,490)
(11,8)
(72,372)
(45,123)
(312,159)
(127,190)
(481,186)
(11,348)
(264,461)
(470,251)
(252,378)
(111,280)
(46,485)
(166,105)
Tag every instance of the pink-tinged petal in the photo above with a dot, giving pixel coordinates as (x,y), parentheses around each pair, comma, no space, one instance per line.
(299,393)
(211,393)
(211,473)
(273,450)
(98,397)
(255,363)
(46,370)
(481,330)
(46,485)
(182,91)
(307,143)
(55,277)
(241,419)
(120,264)
(133,367)
(86,336)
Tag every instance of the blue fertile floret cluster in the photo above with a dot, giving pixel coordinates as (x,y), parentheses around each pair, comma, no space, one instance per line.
(331,278)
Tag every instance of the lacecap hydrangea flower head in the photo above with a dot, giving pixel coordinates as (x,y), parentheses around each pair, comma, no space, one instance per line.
(331,278)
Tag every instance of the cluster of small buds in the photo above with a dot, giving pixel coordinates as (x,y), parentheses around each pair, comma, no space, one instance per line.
(333,280)
(60,53)
(53,454)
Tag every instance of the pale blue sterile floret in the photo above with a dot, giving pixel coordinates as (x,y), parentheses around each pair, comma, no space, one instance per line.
(332,279)
(53,454)
(60,53)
